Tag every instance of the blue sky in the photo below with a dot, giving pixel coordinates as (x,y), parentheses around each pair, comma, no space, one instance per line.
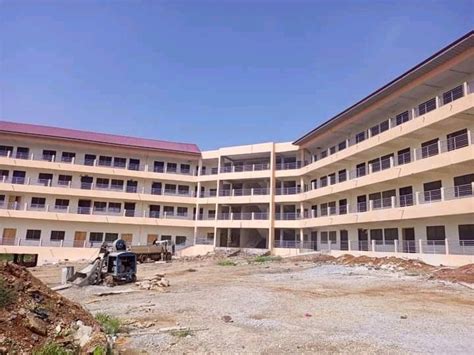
(215,73)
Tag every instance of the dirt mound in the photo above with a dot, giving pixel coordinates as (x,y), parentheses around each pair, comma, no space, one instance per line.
(461,274)
(32,315)
(391,263)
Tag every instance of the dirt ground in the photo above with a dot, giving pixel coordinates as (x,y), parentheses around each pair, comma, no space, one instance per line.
(289,306)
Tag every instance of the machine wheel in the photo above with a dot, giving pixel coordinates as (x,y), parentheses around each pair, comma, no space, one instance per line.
(134,278)
(142,258)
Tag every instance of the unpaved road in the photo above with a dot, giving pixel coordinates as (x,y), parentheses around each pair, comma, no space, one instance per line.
(286,307)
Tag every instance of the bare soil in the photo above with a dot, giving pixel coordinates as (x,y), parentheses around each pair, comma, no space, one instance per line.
(299,305)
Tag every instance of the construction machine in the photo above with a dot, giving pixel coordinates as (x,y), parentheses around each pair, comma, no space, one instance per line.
(114,265)
(159,250)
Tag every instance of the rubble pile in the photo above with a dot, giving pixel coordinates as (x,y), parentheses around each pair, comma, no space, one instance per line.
(155,283)
(35,316)
(461,274)
(387,263)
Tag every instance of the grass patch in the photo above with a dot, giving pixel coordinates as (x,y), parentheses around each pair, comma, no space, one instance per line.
(7,295)
(6,257)
(182,333)
(264,259)
(226,262)
(52,349)
(110,324)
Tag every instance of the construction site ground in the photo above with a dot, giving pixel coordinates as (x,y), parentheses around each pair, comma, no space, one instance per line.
(299,305)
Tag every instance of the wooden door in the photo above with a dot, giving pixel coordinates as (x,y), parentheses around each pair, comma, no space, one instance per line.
(9,235)
(127,237)
(79,239)
(151,238)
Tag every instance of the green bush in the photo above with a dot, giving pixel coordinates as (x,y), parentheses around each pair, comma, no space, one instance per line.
(110,324)
(7,295)
(226,262)
(181,333)
(263,259)
(52,349)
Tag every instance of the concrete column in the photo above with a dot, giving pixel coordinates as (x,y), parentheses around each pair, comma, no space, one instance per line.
(417,197)
(271,210)
(446,246)
(442,194)
(395,244)
(373,245)
(420,246)
(394,201)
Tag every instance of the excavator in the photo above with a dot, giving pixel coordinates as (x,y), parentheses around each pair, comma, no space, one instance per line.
(114,265)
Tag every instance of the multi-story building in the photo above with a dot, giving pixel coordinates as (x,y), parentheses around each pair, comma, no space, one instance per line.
(394,173)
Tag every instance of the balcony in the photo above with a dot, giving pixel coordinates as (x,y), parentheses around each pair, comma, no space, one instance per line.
(243,216)
(256,191)
(245,167)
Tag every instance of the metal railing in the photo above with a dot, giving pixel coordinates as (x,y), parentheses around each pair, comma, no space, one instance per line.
(245,167)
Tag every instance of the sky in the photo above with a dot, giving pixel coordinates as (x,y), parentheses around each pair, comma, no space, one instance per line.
(215,73)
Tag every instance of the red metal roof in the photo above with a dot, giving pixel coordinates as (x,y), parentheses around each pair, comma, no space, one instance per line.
(99,138)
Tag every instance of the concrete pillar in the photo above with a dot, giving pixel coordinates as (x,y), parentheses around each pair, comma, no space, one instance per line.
(395,245)
(373,245)
(420,246)
(417,197)
(442,194)
(446,246)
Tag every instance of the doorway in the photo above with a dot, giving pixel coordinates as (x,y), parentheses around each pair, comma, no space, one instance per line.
(363,239)
(79,239)
(408,240)
(9,236)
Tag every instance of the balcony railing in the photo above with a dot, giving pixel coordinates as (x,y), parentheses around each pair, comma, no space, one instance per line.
(245,192)
(243,216)
(245,167)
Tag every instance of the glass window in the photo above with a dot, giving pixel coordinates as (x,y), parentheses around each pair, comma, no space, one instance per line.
(427,106)
(57,235)
(453,94)
(360,137)
(96,237)
(402,118)
(33,234)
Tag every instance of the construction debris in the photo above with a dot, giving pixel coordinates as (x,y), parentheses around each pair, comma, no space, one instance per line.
(155,283)
(110,293)
(35,315)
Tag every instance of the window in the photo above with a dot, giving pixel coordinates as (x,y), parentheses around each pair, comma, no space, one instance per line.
(343,206)
(435,235)
(391,234)
(49,155)
(67,157)
(404,156)
(384,126)
(166,237)
(360,137)
(38,202)
(324,209)
(100,206)
(323,181)
(61,204)
(132,186)
(361,203)
(86,182)
(105,161)
(111,237)
(453,94)
(427,106)
(185,168)
(386,161)
(45,179)
(22,153)
(4,174)
(116,184)
(180,240)
(211,214)
(432,191)
(332,178)
(182,211)
(342,174)
(375,130)
(466,234)
(170,189)
(463,185)
(169,210)
(18,177)
(96,237)
(332,150)
(406,196)
(375,165)
(134,164)
(324,237)
(183,190)
(457,140)
(120,162)
(102,183)
(430,148)
(402,118)
(159,167)
(332,207)
(115,207)
(171,167)
(342,145)
(376,235)
(64,180)
(5,150)
(89,159)
(57,235)
(33,234)
(360,170)
(324,154)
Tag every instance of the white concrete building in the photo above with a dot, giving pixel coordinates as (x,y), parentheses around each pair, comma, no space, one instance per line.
(392,174)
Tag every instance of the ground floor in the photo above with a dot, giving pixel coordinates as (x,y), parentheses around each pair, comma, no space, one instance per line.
(285,306)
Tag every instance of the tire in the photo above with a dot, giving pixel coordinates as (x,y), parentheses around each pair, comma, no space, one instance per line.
(142,258)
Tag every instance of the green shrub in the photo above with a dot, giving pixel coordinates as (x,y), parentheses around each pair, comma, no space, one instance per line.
(99,351)
(226,262)
(263,259)
(52,349)
(181,333)
(110,324)
(7,295)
